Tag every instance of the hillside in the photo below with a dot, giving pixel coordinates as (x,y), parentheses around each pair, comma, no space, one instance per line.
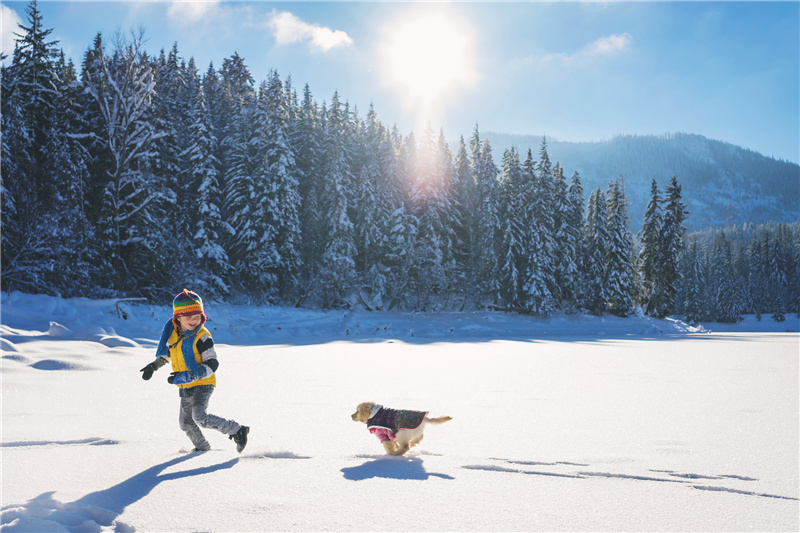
(722,184)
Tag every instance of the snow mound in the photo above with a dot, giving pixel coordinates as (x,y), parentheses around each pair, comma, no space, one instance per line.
(58,331)
(7,346)
(90,333)
(115,341)
(104,335)
(16,358)
(55,364)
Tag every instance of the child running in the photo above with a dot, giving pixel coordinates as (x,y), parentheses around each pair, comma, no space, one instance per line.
(189,346)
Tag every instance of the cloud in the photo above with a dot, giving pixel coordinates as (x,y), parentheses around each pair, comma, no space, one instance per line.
(288,29)
(610,45)
(182,12)
(604,47)
(11,23)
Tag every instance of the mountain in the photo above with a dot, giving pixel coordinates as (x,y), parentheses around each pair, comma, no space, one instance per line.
(722,184)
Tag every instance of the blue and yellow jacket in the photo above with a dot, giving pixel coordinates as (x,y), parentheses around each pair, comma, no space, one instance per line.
(192,355)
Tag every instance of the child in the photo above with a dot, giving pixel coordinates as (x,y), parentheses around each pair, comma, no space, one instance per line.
(188,345)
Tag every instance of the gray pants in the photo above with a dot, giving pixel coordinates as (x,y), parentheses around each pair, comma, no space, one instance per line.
(194,403)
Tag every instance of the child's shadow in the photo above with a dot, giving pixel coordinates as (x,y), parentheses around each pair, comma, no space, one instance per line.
(391,467)
(133,489)
(103,506)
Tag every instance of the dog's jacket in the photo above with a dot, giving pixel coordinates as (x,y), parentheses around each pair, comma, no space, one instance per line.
(384,423)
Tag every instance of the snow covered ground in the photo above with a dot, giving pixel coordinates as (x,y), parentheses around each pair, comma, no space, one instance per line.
(565,424)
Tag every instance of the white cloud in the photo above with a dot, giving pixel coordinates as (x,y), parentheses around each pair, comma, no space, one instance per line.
(608,45)
(603,47)
(182,12)
(288,28)
(10,23)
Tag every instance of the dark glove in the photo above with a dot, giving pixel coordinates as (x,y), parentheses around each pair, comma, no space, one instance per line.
(147,372)
(171,377)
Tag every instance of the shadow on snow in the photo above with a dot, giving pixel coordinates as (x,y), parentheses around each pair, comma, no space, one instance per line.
(101,507)
(391,467)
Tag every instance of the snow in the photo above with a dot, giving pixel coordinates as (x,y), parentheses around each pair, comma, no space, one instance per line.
(572,423)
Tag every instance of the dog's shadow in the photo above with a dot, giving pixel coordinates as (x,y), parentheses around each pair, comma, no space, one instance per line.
(391,467)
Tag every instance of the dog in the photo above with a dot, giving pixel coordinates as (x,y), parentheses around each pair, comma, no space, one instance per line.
(398,430)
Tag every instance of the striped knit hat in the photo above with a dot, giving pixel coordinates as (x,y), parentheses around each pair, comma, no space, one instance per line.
(187,303)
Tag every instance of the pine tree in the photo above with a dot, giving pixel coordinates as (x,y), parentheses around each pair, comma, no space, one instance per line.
(596,239)
(757,280)
(569,222)
(218,111)
(539,281)
(778,268)
(726,297)
(171,211)
(450,212)
(251,249)
(573,243)
(649,237)
(670,245)
(429,204)
(694,284)
(33,91)
(464,207)
(544,210)
(168,113)
(513,217)
(367,229)
(488,225)
(282,188)
(89,131)
(394,221)
(620,283)
(338,258)
(208,229)
(72,254)
(537,278)
(34,140)
(257,259)
(306,138)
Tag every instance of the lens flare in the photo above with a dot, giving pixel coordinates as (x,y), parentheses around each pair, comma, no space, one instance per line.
(428,57)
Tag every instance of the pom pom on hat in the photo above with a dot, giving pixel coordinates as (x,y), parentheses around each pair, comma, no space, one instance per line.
(187,303)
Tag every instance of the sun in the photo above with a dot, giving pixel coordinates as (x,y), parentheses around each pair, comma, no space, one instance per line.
(428,56)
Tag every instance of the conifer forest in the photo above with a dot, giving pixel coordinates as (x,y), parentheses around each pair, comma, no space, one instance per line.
(136,175)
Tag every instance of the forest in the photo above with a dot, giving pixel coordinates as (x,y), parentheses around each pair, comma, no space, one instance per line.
(136,175)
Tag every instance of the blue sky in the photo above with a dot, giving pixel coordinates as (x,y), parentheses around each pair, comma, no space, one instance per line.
(575,71)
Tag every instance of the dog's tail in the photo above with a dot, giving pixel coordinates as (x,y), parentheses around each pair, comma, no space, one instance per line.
(439,420)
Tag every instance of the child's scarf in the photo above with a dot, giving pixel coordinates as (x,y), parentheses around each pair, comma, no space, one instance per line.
(187,348)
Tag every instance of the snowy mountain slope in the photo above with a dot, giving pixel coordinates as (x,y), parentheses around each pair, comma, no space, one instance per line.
(576,429)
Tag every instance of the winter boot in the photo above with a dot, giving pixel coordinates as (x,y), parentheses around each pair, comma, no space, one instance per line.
(240,438)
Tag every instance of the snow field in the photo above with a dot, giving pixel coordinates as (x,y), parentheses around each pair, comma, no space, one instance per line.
(689,431)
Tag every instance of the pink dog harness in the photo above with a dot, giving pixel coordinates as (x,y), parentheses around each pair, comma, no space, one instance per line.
(385,423)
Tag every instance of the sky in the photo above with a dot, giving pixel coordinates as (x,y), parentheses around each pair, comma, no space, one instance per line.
(574,71)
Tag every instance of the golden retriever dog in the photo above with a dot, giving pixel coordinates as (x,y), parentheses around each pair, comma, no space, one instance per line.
(399,430)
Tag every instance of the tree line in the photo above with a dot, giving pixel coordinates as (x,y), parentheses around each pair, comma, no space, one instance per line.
(136,175)
(737,270)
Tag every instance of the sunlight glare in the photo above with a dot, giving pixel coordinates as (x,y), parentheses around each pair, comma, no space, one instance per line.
(428,57)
